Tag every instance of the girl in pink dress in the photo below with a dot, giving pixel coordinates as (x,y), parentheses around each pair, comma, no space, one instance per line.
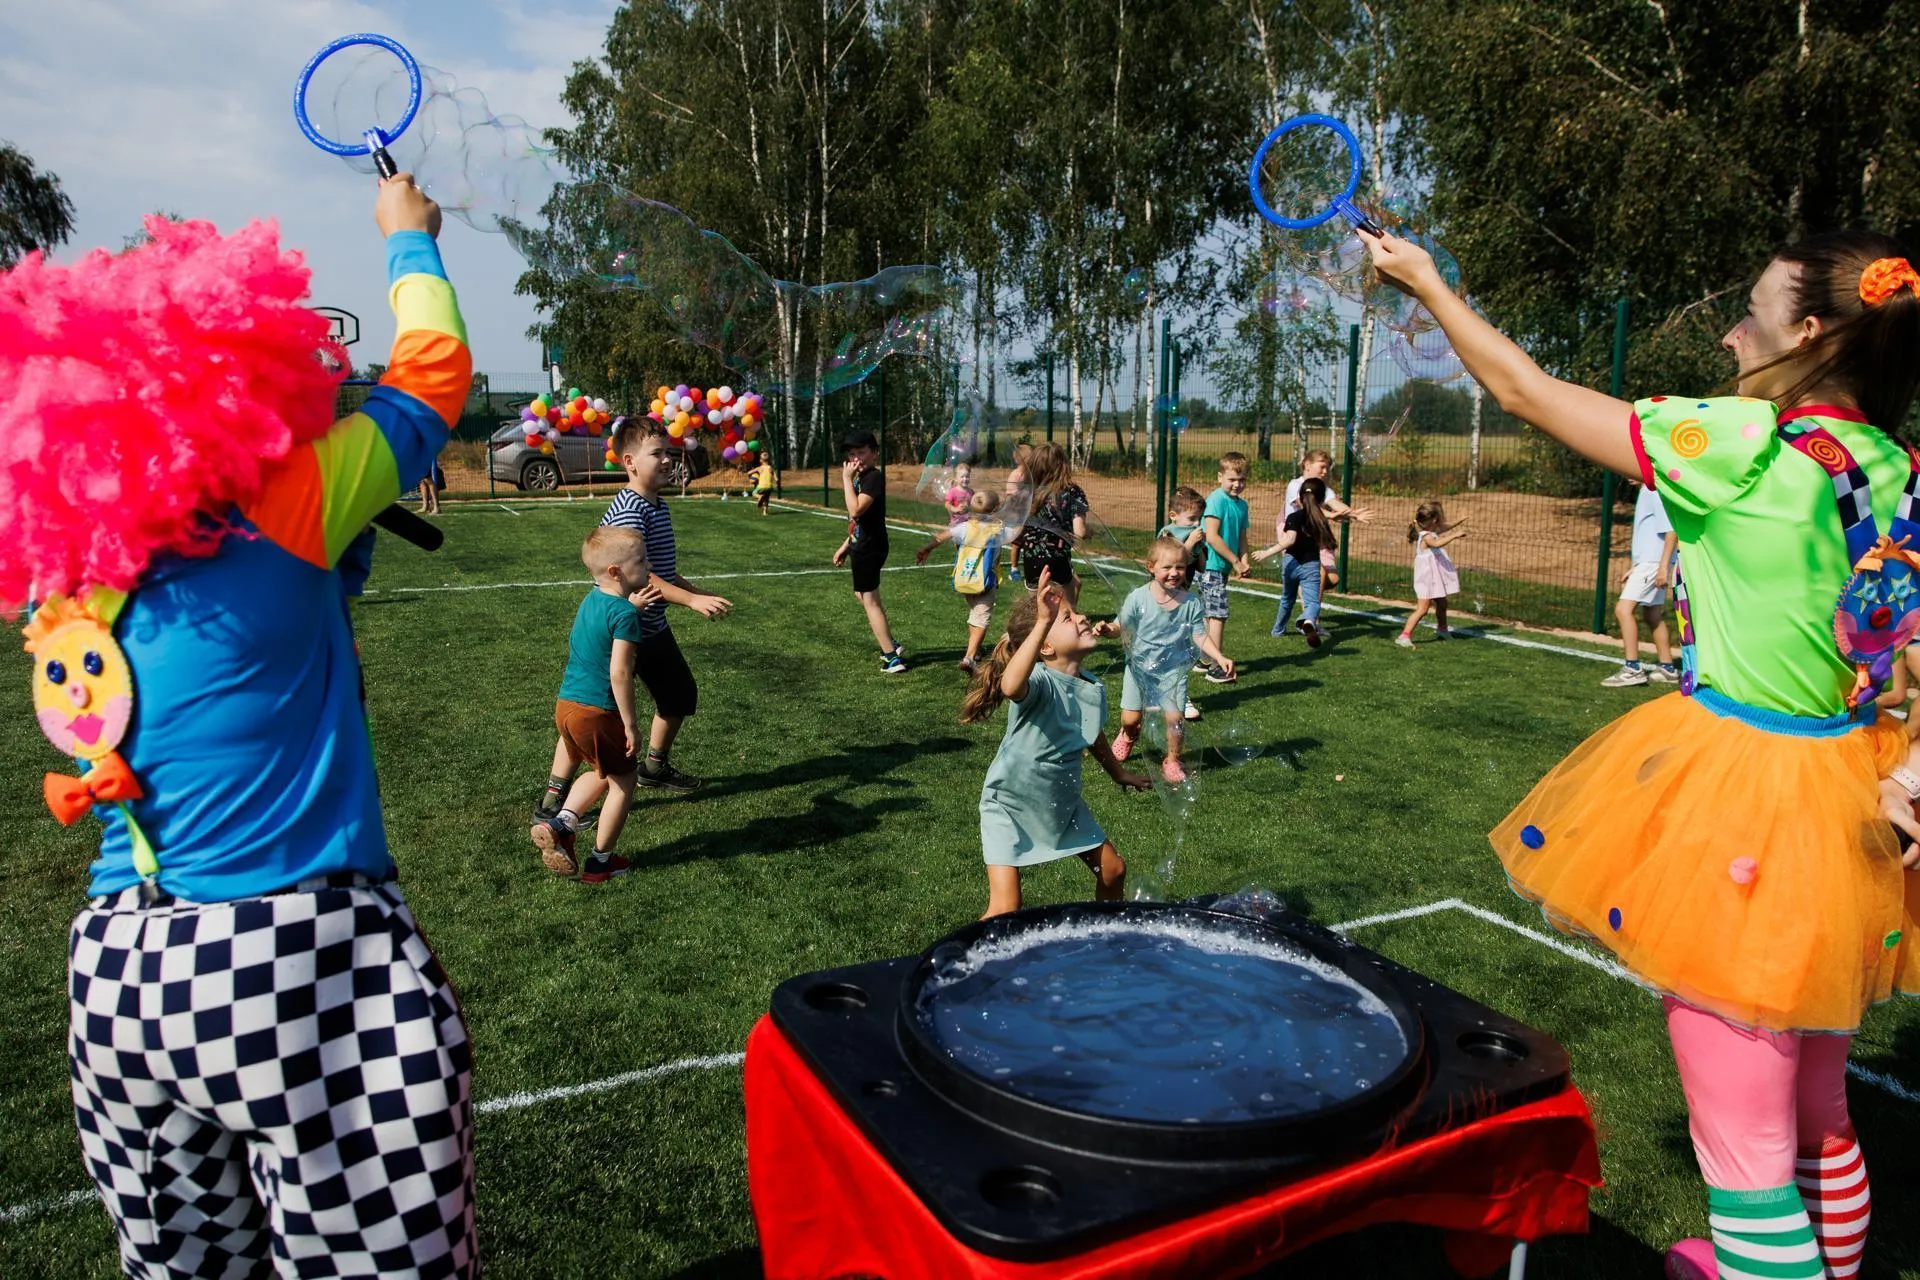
(1434,577)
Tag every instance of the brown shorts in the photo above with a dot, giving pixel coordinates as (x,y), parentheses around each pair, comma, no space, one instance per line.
(595,736)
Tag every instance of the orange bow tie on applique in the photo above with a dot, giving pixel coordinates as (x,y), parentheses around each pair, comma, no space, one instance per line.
(110,779)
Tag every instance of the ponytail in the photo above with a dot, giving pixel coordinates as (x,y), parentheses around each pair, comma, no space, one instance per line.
(983,694)
(1426,519)
(1313,492)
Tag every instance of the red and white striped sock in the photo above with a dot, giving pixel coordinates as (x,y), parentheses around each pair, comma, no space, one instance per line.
(1833,1183)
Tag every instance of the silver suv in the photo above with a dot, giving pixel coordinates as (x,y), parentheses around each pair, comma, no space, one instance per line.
(574,460)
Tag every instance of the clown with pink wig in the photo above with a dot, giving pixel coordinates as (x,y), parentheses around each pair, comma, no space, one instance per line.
(269,1066)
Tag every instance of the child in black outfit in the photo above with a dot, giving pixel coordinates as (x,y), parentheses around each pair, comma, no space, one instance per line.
(864,485)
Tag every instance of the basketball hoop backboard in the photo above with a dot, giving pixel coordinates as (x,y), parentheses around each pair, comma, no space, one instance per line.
(346,325)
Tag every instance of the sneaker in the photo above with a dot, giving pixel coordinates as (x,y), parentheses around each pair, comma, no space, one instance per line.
(1217,676)
(1691,1259)
(1664,673)
(892,666)
(1404,640)
(1192,712)
(1311,632)
(667,778)
(1173,771)
(599,870)
(1625,677)
(1443,634)
(544,812)
(1122,744)
(555,844)
(965,664)
(1202,668)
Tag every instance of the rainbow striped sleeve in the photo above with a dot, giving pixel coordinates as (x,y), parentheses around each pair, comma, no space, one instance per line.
(324,494)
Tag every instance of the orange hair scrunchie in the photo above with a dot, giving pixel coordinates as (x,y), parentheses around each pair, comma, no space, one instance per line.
(1885,277)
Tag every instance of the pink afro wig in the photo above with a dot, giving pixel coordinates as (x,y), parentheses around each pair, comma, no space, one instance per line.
(144,394)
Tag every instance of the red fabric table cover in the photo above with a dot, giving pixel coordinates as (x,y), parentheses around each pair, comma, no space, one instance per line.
(827,1204)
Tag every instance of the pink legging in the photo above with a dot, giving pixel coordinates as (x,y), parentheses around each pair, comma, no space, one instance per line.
(1756,1098)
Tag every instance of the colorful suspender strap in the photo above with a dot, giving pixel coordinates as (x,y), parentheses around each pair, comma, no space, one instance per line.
(1878,612)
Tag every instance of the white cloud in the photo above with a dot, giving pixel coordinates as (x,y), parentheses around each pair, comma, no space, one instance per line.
(187,107)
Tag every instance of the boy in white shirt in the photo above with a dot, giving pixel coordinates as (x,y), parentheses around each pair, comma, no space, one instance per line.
(1655,548)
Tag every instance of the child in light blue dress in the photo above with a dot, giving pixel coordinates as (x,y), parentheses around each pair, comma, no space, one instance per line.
(1031,809)
(1164,630)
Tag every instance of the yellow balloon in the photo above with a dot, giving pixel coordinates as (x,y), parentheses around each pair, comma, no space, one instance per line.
(676,430)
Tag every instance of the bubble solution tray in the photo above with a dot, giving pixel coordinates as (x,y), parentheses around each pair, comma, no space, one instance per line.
(1063,1076)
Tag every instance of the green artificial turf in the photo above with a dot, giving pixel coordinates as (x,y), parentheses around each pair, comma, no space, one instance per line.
(840,826)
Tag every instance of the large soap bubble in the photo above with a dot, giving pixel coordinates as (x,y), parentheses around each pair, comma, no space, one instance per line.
(812,340)
(497,174)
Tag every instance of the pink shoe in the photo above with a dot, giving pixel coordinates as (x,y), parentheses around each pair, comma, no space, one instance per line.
(1173,771)
(1122,744)
(1692,1259)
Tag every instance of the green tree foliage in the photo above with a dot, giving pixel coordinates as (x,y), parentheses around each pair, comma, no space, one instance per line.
(1080,163)
(34,212)
(1660,151)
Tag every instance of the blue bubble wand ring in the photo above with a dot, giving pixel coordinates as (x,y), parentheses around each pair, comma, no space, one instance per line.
(1341,204)
(373,142)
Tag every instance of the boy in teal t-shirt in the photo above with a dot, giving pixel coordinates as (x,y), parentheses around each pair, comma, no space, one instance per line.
(595,711)
(1225,525)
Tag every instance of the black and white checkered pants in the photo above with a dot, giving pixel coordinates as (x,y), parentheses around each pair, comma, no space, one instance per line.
(277,1083)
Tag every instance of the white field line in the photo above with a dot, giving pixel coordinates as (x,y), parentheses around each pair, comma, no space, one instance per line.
(1879,1080)
(515,1101)
(52,1204)
(582,582)
(531,1097)
(830,515)
(1518,642)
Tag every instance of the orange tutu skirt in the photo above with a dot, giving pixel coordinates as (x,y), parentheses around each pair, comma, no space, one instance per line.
(1741,870)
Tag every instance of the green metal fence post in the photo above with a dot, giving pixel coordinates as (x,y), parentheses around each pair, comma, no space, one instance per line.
(1161,490)
(1607,486)
(1174,430)
(1352,424)
(1049,395)
(880,390)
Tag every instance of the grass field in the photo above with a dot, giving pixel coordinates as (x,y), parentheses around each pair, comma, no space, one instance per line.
(840,826)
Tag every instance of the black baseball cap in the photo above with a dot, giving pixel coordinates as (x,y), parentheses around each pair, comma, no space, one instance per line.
(859,440)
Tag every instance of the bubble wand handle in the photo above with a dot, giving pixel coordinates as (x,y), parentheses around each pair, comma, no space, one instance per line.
(382,160)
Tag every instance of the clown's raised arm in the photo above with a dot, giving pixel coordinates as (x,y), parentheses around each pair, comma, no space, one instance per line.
(327,490)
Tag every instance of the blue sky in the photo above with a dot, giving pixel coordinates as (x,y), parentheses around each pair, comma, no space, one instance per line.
(186,106)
